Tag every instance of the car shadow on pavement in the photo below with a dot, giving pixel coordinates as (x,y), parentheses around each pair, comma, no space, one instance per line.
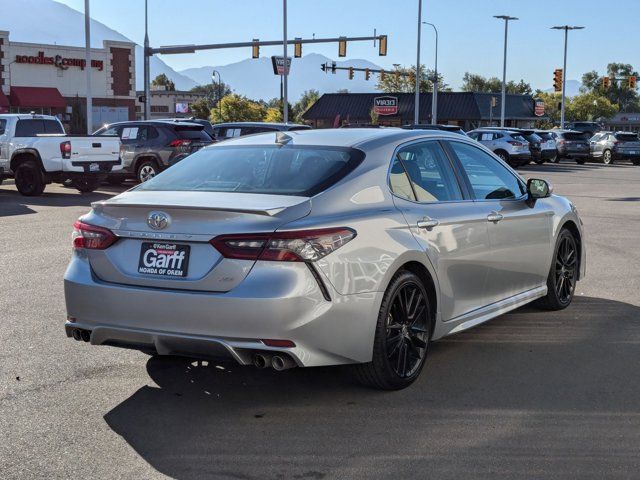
(13,203)
(531,393)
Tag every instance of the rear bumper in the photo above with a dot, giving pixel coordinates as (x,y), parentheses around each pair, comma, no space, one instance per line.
(626,155)
(86,167)
(548,154)
(574,153)
(520,158)
(282,302)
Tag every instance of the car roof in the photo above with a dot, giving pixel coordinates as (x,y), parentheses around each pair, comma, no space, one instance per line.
(340,137)
(151,122)
(259,124)
(28,116)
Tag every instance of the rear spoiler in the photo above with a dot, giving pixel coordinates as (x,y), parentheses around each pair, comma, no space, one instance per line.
(98,206)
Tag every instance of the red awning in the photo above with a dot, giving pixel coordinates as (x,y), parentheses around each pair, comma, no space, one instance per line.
(36,97)
(4,101)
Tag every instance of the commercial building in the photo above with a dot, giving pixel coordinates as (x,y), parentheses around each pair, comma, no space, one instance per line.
(468,110)
(168,103)
(624,122)
(51,79)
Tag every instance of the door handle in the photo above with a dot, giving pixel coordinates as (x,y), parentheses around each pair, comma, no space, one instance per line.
(428,223)
(494,217)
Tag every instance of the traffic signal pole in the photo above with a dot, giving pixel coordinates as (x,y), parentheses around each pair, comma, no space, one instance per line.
(147,74)
(285,102)
(564,77)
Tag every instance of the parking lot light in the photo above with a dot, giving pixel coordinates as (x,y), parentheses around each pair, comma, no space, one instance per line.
(566,29)
(506,19)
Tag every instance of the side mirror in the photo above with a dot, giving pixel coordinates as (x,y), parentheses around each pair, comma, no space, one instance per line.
(538,188)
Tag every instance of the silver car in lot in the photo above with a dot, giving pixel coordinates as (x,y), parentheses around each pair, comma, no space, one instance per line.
(321,247)
(510,145)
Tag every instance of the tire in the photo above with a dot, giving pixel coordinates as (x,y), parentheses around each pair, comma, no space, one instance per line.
(561,282)
(554,159)
(398,358)
(635,161)
(607,157)
(86,184)
(29,179)
(580,161)
(115,180)
(146,170)
(504,156)
(539,161)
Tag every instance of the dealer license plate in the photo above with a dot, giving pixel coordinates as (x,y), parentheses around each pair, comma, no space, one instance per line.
(164,259)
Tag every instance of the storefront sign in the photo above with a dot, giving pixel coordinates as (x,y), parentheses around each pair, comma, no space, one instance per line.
(538,108)
(386,105)
(58,61)
(278,65)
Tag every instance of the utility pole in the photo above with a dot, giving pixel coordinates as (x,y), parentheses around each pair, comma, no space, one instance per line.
(87,43)
(434,94)
(506,19)
(285,101)
(416,113)
(213,78)
(147,77)
(566,29)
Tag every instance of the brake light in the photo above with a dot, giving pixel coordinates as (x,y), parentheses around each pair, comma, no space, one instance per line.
(296,246)
(65,149)
(514,143)
(561,142)
(180,142)
(91,237)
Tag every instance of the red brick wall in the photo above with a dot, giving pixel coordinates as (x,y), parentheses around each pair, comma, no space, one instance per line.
(121,77)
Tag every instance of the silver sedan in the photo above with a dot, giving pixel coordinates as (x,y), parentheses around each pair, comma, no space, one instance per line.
(321,247)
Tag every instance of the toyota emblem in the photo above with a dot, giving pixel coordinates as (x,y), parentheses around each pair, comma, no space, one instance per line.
(158,220)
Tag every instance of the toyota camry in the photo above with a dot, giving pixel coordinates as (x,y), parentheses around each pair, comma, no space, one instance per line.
(321,247)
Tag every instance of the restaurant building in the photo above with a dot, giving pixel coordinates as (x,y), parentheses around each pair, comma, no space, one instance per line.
(168,103)
(468,110)
(51,79)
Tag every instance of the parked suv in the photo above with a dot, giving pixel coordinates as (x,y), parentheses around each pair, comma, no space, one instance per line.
(205,123)
(223,131)
(148,147)
(587,127)
(610,146)
(572,144)
(548,146)
(509,145)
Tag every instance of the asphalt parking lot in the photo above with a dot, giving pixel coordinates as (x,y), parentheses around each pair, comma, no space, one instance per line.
(531,394)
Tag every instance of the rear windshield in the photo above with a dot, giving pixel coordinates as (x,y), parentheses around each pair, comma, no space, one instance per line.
(37,126)
(545,136)
(193,133)
(533,137)
(576,136)
(626,137)
(517,136)
(288,170)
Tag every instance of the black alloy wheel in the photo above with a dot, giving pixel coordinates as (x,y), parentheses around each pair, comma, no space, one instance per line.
(607,158)
(566,269)
(406,331)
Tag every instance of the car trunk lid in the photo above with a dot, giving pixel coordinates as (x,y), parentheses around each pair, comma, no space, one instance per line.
(175,253)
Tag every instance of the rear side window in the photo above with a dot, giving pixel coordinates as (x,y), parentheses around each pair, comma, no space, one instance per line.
(486,137)
(193,134)
(429,171)
(269,169)
(108,131)
(29,128)
(3,126)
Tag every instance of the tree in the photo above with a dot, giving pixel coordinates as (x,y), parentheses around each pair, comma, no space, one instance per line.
(590,106)
(201,108)
(403,80)
(212,92)
(472,82)
(618,92)
(237,108)
(273,115)
(308,98)
(163,81)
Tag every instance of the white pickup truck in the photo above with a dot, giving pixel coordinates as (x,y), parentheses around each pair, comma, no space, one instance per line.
(35,151)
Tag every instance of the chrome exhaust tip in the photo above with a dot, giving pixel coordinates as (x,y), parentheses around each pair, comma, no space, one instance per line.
(282,362)
(261,361)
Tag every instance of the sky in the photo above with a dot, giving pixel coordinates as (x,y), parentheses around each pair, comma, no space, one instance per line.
(470,39)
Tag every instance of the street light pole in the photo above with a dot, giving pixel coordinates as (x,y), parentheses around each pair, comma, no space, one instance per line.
(506,19)
(434,94)
(285,101)
(87,42)
(566,29)
(213,77)
(416,112)
(147,74)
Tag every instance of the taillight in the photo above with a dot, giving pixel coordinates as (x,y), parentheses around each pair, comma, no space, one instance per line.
(65,149)
(296,246)
(514,143)
(180,142)
(91,237)
(561,142)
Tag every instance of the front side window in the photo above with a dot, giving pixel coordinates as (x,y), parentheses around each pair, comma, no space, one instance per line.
(429,176)
(3,126)
(268,169)
(488,178)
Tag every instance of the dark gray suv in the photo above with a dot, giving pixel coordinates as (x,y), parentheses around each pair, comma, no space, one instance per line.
(609,146)
(148,147)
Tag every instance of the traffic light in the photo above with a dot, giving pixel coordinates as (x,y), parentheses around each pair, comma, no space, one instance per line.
(367,74)
(632,82)
(255,49)
(297,48)
(557,80)
(382,75)
(606,83)
(382,49)
(342,47)
(333,67)
(350,73)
